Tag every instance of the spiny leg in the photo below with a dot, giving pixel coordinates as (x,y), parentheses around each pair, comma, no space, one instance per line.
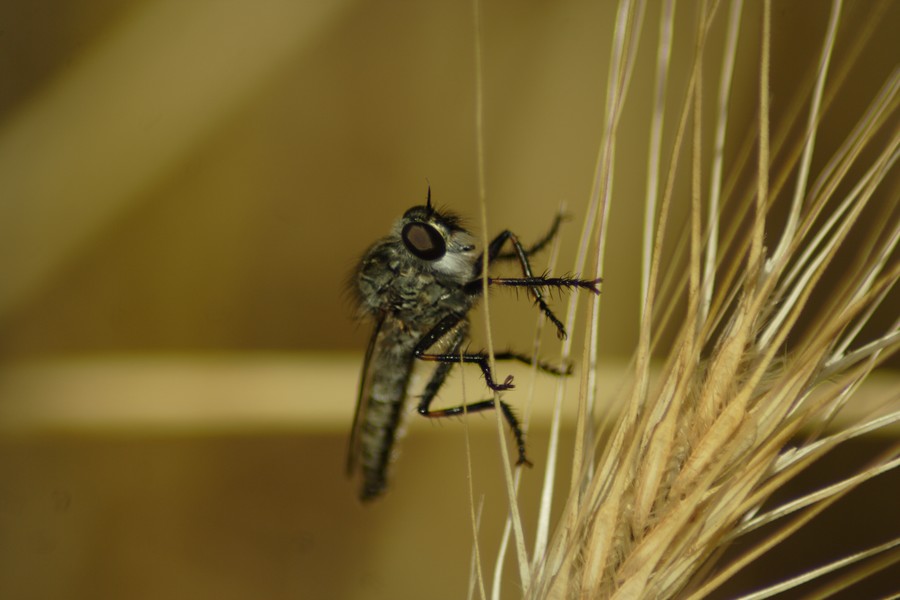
(544,281)
(538,245)
(528,360)
(512,421)
(535,284)
(438,332)
(529,281)
(437,380)
(492,252)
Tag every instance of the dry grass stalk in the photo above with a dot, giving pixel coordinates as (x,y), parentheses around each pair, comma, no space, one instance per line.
(693,457)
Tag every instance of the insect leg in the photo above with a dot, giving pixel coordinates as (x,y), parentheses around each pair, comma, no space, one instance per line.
(439,331)
(528,360)
(529,281)
(538,245)
(508,414)
(437,380)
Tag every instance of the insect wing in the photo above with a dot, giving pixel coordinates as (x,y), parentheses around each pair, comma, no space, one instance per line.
(362,397)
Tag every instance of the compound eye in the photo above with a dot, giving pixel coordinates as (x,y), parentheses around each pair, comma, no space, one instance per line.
(424,241)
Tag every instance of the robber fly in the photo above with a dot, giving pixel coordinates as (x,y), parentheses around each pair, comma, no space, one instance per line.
(418,285)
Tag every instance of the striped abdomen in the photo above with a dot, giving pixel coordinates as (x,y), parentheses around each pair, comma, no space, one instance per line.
(382,400)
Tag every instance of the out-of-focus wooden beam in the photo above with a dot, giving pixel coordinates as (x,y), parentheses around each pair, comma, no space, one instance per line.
(255,392)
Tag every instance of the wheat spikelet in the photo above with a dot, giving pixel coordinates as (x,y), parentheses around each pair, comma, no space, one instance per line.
(765,354)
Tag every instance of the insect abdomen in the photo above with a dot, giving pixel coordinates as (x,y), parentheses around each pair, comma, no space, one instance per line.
(391,367)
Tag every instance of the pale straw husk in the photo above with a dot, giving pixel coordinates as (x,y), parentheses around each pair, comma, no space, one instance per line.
(763,357)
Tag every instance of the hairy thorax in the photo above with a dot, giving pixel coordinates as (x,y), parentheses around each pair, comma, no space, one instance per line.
(390,282)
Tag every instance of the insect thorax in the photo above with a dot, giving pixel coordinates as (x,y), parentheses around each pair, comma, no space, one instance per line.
(408,289)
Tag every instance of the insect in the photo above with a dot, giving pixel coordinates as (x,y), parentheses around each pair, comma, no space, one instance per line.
(418,285)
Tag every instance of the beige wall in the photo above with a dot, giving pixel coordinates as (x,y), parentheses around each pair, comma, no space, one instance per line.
(212,190)
(193,176)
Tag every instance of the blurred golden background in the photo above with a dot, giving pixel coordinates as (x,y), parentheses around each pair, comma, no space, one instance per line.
(184,189)
(193,176)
